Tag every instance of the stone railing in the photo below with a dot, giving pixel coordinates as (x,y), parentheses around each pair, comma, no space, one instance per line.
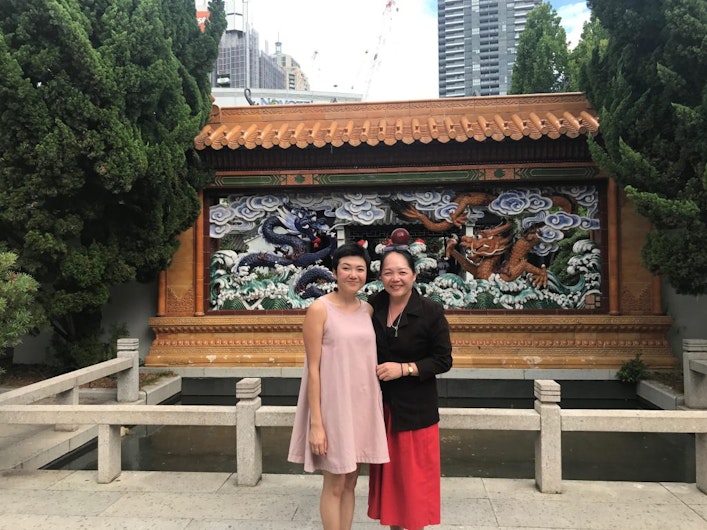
(249,416)
(64,389)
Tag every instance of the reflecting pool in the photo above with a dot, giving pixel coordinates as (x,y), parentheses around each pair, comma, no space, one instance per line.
(465,453)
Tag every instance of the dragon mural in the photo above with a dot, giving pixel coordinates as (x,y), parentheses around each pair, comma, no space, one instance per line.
(299,238)
(520,248)
(486,253)
(491,250)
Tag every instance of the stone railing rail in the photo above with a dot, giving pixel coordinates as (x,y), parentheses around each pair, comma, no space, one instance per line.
(547,419)
(66,386)
(64,389)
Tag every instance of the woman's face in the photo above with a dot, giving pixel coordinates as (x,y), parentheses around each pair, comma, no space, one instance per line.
(351,274)
(396,275)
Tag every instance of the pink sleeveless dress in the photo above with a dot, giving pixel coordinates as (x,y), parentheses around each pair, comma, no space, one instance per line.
(351,401)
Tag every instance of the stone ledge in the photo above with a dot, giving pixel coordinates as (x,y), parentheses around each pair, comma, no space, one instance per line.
(660,395)
(295,372)
(161,390)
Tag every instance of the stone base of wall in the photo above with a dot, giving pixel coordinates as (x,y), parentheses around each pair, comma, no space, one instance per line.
(479,341)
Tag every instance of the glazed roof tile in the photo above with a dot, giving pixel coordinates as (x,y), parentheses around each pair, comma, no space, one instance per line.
(460,119)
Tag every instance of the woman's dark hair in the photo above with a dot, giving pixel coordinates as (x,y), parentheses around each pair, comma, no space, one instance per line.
(404,253)
(350,249)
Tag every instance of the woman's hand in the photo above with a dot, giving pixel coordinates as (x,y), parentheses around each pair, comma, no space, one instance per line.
(389,371)
(317,440)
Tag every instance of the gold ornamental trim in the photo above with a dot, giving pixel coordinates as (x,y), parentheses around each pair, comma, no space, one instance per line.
(458,323)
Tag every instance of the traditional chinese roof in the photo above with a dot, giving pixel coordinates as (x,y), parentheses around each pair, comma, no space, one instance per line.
(478,119)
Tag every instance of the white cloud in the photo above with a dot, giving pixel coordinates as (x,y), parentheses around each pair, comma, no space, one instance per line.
(573,17)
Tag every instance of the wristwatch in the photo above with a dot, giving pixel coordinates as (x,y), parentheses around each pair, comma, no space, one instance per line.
(409,369)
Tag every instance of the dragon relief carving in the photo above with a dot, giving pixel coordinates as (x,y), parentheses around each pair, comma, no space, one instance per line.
(488,251)
(485,253)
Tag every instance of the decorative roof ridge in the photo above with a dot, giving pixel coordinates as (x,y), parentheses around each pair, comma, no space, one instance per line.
(478,118)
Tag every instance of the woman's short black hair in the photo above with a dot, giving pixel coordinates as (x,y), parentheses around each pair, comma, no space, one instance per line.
(404,253)
(350,249)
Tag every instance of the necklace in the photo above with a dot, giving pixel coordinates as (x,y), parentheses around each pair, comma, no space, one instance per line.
(395,324)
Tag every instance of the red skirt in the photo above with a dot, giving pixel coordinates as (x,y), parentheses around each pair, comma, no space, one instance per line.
(406,491)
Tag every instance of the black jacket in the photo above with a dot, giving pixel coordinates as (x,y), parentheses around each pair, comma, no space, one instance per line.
(423,338)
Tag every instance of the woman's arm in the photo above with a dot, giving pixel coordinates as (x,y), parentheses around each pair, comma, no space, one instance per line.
(312,332)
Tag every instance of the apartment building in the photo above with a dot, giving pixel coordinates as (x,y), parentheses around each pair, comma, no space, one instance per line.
(477,44)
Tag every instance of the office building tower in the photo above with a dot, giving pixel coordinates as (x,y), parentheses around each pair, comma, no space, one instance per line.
(477,41)
(271,74)
(296,78)
(237,62)
(240,61)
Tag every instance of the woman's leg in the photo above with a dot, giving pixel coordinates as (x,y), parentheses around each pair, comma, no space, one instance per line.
(348,500)
(336,504)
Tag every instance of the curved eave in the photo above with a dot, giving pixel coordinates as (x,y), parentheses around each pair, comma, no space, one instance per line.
(479,119)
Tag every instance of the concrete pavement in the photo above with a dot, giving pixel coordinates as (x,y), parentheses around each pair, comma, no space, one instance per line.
(169,500)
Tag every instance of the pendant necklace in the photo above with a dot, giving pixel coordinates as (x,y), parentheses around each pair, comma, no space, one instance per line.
(395,324)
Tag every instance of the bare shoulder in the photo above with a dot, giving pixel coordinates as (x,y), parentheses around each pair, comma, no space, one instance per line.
(368,307)
(316,310)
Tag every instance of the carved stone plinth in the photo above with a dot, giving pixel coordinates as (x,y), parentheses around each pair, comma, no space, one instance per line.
(479,341)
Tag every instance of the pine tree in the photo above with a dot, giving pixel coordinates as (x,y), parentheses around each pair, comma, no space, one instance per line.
(650,87)
(19,312)
(99,103)
(594,37)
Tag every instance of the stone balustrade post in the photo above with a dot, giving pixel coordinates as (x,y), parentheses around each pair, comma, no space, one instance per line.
(548,443)
(249,450)
(69,397)
(109,453)
(694,366)
(701,461)
(129,380)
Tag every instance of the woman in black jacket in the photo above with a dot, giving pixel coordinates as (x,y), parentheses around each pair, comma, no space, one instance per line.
(412,338)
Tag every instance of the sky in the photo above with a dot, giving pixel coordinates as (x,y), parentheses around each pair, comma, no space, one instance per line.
(385,50)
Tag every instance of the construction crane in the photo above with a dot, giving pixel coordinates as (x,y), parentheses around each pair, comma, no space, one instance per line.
(374,59)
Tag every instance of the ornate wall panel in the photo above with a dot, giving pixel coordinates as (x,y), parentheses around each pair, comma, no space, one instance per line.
(533,252)
(510,248)
(256,286)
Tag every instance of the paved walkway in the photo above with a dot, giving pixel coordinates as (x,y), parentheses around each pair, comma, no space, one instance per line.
(160,500)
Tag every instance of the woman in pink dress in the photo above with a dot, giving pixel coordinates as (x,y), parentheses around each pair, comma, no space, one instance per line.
(339,419)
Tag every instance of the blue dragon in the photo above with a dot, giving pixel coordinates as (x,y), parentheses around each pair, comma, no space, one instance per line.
(303,230)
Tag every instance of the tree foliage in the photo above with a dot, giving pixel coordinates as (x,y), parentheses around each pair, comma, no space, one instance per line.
(99,103)
(542,58)
(19,312)
(594,37)
(649,85)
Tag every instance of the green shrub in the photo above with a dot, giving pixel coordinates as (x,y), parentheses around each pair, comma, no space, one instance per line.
(632,371)
(19,311)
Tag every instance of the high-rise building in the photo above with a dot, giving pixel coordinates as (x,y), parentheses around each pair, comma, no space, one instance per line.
(296,78)
(237,62)
(477,41)
(240,61)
